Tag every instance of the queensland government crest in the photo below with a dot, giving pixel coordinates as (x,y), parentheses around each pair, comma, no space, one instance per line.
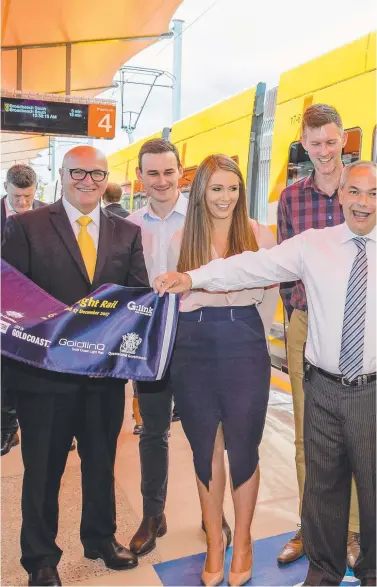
(131,342)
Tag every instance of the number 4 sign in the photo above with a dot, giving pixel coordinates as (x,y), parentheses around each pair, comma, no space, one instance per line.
(101,123)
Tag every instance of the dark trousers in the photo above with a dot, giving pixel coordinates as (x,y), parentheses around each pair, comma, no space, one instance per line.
(339,441)
(155,403)
(48,424)
(9,422)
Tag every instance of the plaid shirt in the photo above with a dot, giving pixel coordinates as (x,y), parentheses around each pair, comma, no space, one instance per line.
(302,206)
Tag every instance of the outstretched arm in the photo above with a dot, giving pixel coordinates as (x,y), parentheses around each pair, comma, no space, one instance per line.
(248,270)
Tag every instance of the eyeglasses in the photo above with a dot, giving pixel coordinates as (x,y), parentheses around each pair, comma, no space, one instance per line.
(97,175)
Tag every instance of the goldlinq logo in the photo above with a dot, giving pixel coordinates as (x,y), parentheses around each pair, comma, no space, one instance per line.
(140,309)
(82,345)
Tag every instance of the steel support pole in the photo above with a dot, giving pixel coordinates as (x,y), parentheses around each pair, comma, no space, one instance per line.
(177,68)
(19,69)
(52,157)
(68,68)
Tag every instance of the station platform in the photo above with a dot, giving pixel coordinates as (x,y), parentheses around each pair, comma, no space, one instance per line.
(179,556)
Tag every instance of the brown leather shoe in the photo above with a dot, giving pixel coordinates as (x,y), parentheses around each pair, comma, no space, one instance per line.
(353,548)
(45,576)
(293,550)
(144,541)
(8,441)
(114,555)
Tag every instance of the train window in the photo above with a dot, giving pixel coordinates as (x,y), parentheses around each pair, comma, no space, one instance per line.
(185,182)
(374,148)
(299,164)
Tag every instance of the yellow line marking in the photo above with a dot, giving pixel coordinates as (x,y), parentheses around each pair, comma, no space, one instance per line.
(280,383)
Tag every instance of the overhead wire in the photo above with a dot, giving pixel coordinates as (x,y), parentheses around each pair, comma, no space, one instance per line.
(188,26)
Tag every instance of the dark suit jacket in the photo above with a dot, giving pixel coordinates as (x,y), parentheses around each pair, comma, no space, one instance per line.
(118,210)
(41,244)
(3,214)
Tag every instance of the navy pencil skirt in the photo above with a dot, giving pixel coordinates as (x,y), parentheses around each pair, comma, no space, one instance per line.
(220,373)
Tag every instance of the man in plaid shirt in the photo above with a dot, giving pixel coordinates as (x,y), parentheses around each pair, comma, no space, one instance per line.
(311,202)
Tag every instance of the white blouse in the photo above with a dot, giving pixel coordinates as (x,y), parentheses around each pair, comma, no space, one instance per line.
(264,297)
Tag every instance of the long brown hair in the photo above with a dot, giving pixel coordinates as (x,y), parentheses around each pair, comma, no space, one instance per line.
(197,231)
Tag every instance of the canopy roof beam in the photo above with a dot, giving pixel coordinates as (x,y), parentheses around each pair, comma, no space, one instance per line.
(161,37)
(68,55)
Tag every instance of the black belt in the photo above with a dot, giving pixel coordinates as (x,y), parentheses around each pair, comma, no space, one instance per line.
(360,380)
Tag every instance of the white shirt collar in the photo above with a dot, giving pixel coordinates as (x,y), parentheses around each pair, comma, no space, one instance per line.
(73,213)
(347,234)
(180,207)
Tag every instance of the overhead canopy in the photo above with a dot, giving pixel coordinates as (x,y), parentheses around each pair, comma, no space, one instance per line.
(75,46)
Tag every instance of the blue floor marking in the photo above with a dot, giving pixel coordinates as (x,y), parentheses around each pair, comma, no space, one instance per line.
(266,571)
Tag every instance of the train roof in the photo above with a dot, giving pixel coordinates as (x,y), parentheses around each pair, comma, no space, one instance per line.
(336,66)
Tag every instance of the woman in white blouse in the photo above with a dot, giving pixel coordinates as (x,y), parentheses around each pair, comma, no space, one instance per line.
(220,368)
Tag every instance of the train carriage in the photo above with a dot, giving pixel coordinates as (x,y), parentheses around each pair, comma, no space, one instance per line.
(261,130)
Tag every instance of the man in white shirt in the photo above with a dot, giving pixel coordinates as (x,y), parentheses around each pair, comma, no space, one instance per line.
(159,169)
(338,268)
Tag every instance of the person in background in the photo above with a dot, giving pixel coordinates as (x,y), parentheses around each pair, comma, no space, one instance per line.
(311,202)
(20,187)
(111,200)
(159,168)
(223,400)
(337,265)
(70,249)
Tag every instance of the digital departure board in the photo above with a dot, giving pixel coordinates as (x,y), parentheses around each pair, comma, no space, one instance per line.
(57,118)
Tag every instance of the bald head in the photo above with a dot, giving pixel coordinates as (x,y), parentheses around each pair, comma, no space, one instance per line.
(357,194)
(84,151)
(84,177)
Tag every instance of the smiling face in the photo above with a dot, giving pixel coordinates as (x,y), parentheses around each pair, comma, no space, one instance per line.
(222,193)
(324,146)
(358,198)
(83,194)
(160,174)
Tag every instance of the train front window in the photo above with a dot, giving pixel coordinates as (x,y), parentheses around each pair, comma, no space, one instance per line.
(299,164)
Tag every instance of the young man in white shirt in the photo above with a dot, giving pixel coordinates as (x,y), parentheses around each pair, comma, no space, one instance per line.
(159,168)
(338,268)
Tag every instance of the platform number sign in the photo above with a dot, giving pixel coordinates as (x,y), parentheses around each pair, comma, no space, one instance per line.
(101,123)
(57,118)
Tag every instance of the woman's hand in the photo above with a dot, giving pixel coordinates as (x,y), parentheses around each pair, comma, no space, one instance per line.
(172,282)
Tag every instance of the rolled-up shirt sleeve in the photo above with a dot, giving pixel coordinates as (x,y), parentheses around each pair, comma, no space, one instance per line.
(247,270)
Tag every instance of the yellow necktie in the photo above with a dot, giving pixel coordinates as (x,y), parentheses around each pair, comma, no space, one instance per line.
(86,244)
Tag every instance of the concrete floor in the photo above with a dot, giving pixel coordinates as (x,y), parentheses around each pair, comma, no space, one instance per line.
(276,510)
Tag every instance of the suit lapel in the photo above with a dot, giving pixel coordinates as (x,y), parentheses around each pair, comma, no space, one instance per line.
(105,243)
(63,226)
(3,215)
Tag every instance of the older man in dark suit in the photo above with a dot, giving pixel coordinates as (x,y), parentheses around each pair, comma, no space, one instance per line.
(69,249)
(20,187)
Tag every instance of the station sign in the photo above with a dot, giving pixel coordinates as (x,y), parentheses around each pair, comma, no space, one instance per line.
(38,116)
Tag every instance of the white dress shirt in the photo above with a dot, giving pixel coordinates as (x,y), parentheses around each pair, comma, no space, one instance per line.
(156,233)
(322,259)
(73,214)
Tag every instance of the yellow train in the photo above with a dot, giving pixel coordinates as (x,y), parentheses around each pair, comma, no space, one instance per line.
(261,129)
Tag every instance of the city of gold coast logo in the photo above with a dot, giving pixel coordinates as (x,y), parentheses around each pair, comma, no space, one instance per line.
(130,344)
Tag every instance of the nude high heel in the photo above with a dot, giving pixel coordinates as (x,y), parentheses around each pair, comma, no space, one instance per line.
(238,579)
(211,579)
